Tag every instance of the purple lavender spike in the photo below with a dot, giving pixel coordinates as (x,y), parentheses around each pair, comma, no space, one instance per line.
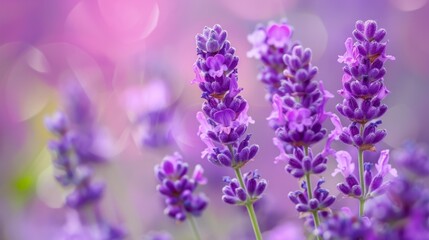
(75,157)
(179,189)
(363,90)
(224,120)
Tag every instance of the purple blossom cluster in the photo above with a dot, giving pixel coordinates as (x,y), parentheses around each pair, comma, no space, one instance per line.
(224,119)
(178,188)
(269,44)
(363,86)
(363,90)
(374,185)
(344,225)
(157,130)
(75,152)
(234,194)
(298,111)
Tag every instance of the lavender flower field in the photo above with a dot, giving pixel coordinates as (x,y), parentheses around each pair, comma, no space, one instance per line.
(214,120)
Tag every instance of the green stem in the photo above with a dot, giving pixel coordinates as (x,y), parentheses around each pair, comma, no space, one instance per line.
(194,227)
(309,190)
(254,221)
(362,184)
(310,194)
(249,206)
(361,176)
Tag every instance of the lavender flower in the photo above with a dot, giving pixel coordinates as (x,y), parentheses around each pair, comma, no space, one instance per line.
(300,164)
(298,111)
(344,225)
(157,132)
(269,44)
(152,121)
(224,119)
(363,90)
(403,212)
(75,152)
(363,85)
(179,189)
(297,117)
(306,203)
(374,185)
(413,157)
(235,194)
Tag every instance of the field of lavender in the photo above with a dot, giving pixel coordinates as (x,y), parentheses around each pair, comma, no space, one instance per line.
(214,120)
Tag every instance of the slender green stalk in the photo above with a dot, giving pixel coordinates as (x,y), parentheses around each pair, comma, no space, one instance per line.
(194,227)
(310,195)
(249,207)
(254,221)
(309,190)
(362,184)
(361,176)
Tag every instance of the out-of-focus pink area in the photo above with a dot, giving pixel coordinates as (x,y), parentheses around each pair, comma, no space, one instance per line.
(118,50)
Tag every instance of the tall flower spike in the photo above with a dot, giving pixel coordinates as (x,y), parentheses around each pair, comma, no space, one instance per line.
(178,188)
(269,44)
(224,119)
(363,91)
(363,85)
(299,117)
(74,156)
(298,104)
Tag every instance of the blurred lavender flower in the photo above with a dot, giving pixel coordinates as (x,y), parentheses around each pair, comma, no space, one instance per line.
(224,119)
(150,110)
(414,158)
(363,90)
(179,189)
(344,226)
(75,152)
(269,44)
(403,212)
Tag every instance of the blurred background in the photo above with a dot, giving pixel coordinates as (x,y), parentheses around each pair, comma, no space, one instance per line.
(135,57)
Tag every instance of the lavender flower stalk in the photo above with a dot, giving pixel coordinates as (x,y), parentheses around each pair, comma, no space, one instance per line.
(363,90)
(224,119)
(298,113)
(75,154)
(178,188)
